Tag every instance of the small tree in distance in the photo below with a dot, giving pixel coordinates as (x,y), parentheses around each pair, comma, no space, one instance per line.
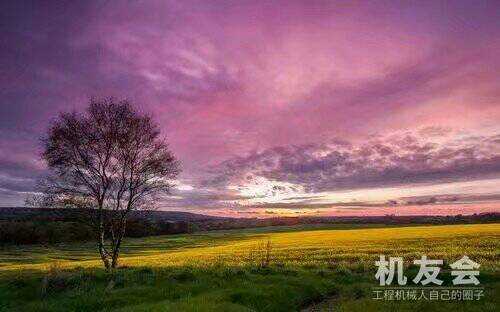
(107,162)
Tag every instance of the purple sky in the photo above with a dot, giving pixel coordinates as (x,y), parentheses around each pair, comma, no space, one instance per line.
(285,107)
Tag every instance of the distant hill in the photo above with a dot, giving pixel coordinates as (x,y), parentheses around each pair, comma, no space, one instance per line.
(55,214)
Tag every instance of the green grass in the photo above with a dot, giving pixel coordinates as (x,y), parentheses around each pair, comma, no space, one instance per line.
(36,254)
(224,271)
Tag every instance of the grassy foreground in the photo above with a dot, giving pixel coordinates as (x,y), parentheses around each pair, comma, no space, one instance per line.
(271,269)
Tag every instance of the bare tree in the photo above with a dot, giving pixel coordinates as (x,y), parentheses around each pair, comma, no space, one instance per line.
(108,161)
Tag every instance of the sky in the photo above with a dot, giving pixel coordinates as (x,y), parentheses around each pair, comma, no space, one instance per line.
(273,107)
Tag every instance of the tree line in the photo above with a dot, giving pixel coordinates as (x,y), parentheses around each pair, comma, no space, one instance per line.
(55,232)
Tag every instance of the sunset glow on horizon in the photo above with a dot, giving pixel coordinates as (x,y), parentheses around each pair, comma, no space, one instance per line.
(279,108)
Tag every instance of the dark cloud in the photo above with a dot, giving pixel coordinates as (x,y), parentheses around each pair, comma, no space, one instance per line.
(18,170)
(19,166)
(401,202)
(390,161)
(206,198)
(449,198)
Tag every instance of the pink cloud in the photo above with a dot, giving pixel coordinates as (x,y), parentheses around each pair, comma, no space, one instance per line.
(226,78)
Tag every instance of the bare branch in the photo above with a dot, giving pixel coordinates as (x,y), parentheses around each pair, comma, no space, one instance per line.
(110,160)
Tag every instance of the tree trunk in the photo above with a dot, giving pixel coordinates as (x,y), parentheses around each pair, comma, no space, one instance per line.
(114,260)
(116,247)
(103,252)
(101,237)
